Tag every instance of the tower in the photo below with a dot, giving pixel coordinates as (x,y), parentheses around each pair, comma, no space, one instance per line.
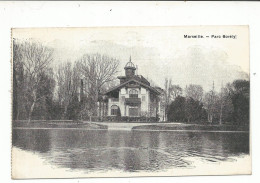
(129,69)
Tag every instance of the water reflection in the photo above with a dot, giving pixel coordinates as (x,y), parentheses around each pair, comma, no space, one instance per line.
(92,150)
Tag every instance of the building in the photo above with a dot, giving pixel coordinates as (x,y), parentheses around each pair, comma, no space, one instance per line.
(133,97)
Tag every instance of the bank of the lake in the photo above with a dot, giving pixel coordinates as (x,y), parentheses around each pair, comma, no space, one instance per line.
(193,127)
(166,126)
(56,124)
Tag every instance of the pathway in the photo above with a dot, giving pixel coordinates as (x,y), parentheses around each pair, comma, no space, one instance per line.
(125,126)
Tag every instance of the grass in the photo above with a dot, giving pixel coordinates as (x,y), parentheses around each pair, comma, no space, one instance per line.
(56,124)
(159,126)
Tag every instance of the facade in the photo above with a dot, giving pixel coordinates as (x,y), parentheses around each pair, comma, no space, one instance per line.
(133,97)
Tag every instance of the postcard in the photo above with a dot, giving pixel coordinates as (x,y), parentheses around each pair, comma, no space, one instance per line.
(130,101)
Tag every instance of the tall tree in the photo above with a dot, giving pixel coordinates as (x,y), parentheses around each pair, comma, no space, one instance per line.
(210,103)
(194,91)
(170,92)
(177,91)
(239,92)
(35,59)
(68,84)
(223,106)
(176,110)
(97,70)
(194,111)
(18,82)
(167,96)
(44,106)
(186,110)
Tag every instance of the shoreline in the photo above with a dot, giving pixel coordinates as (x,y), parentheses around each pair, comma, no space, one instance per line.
(194,127)
(141,130)
(179,127)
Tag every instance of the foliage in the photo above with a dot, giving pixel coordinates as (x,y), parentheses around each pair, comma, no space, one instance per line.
(239,93)
(230,105)
(194,91)
(98,71)
(176,111)
(68,83)
(169,93)
(186,110)
(32,76)
(72,91)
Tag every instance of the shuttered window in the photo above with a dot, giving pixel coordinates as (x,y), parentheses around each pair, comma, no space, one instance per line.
(133,94)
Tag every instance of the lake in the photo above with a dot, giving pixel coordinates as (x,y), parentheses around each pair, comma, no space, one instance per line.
(129,151)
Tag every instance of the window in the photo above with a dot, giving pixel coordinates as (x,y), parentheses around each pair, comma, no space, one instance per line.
(143,98)
(143,91)
(133,94)
(123,91)
(114,110)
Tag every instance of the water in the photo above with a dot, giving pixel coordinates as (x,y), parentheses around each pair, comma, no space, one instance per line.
(129,151)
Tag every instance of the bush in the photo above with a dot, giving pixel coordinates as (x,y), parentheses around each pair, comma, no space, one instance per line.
(126,119)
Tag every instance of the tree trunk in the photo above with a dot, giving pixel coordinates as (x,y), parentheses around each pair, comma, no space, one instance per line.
(99,107)
(220,117)
(165,114)
(95,112)
(31,111)
(65,112)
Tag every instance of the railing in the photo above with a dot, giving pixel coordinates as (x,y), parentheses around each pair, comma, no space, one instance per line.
(132,100)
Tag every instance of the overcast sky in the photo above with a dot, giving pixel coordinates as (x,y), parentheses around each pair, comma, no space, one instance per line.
(159,52)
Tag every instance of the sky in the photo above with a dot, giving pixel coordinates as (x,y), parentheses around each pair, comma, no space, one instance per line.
(159,52)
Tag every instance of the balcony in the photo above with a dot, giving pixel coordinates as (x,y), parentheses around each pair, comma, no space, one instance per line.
(131,101)
(114,99)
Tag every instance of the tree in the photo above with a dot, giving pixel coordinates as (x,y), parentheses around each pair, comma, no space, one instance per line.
(166,97)
(18,82)
(194,91)
(194,111)
(97,71)
(44,106)
(170,92)
(74,108)
(186,110)
(68,83)
(194,96)
(224,107)
(176,110)
(239,94)
(210,103)
(177,91)
(35,59)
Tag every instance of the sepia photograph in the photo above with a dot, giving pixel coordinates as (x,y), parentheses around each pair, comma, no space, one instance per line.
(130,101)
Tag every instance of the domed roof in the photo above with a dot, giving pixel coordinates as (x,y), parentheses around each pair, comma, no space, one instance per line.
(130,64)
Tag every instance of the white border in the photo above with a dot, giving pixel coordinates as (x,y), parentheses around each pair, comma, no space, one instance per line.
(88,14)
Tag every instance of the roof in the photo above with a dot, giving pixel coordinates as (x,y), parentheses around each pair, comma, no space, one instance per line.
(130,64)
(136,77)
(135,80)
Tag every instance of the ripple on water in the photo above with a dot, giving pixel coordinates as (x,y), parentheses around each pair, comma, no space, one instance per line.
(130,151)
